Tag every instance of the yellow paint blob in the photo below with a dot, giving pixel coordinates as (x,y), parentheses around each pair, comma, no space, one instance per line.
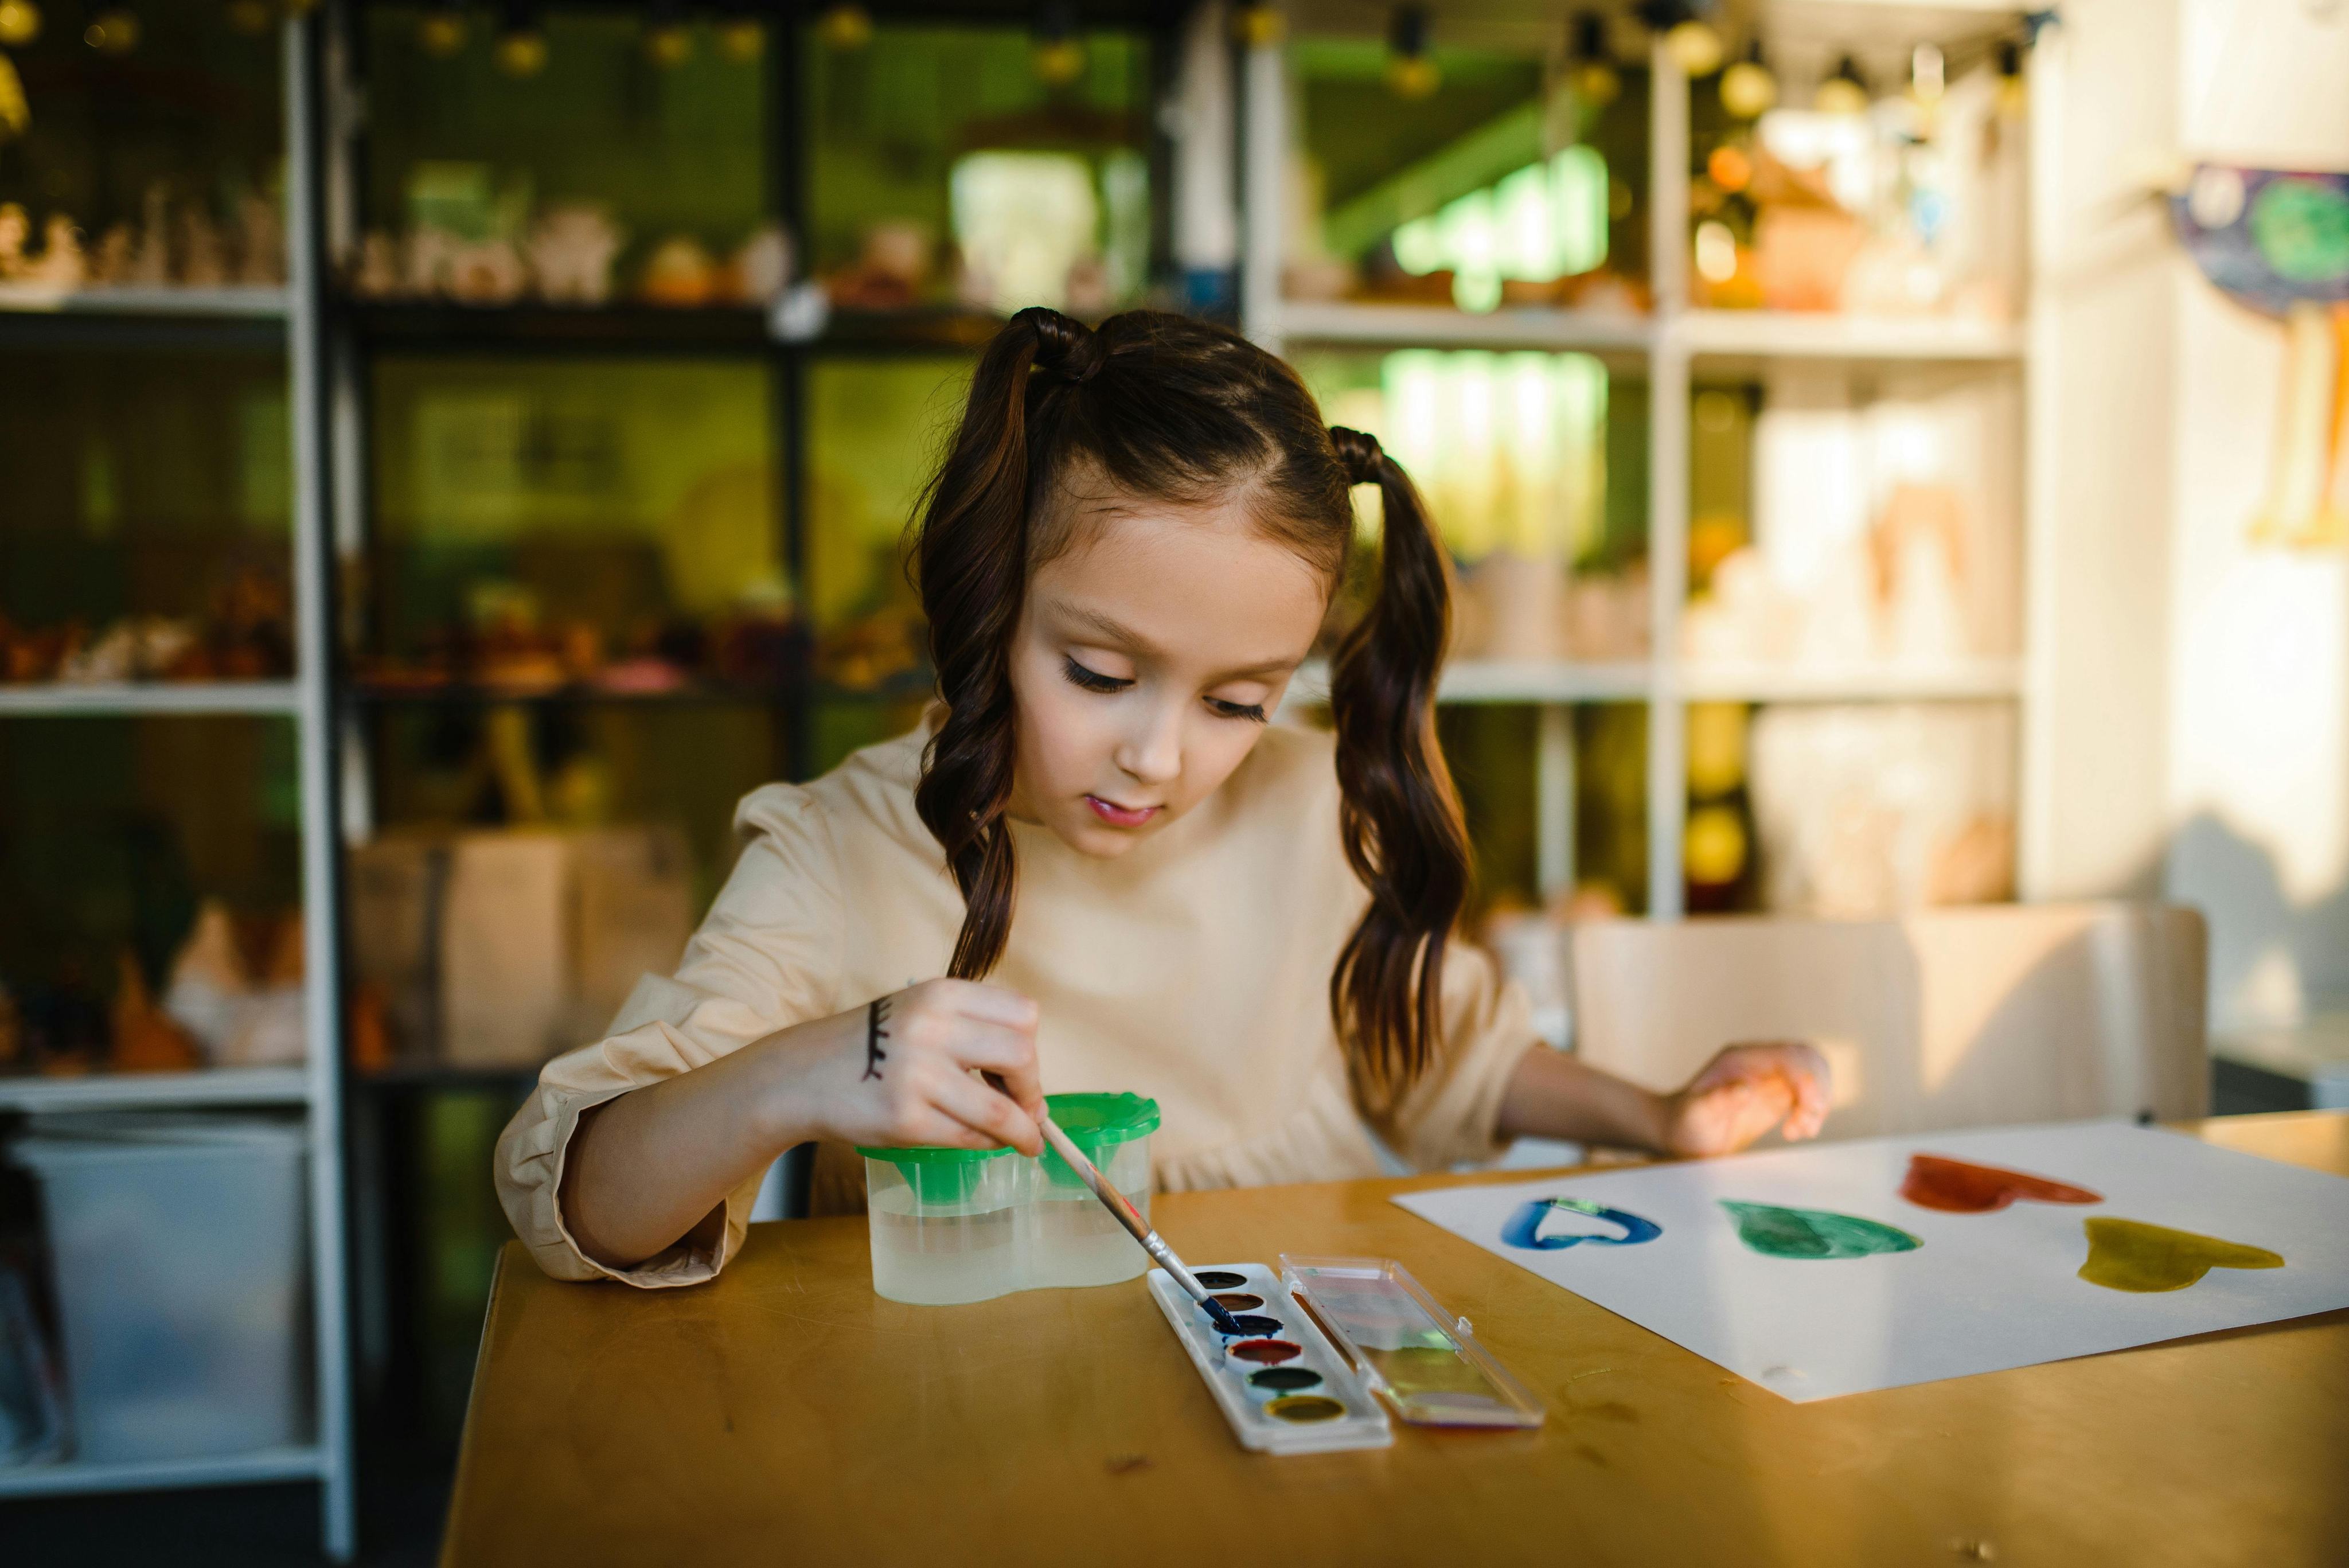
(2131,1255)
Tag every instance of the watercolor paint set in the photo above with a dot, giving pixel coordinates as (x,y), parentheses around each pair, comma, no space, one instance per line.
(1282,1385)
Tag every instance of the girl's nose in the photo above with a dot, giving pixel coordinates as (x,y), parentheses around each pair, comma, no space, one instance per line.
(1151,752)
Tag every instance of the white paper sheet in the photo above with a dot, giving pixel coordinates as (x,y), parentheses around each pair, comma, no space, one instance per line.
(1982,1291)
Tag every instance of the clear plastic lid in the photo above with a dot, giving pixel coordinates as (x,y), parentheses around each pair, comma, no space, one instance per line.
(1422,1361)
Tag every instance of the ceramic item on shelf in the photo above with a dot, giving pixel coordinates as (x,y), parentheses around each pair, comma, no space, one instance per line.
(429,252)
(260,241)
(488,273)
(146,1038)
(109,263)
(572,247)
(377,274)
(204,251)
(1087,290)
(16,228)
(679,273)
(1801,255)
(892,266)
(763,268)
(60,264)
(150,258)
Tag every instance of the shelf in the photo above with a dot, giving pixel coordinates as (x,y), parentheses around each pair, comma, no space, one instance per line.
(1784,335)
(1978,678)
(447,326)
(143,1091)
(697,694)
(150,1475)
(1504,681)
(133,698)
(641,328)
(1440,326)
(240,302)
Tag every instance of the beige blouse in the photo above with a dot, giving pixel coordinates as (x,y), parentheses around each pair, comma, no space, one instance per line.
(1194,970)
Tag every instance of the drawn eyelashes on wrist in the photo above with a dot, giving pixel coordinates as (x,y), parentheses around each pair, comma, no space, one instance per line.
(875,1016)
(1094,680)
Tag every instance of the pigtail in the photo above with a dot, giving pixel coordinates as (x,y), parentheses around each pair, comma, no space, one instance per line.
(1400,815)
(971,556)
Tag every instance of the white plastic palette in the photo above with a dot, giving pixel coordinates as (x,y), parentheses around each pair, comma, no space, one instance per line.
(1280,1412)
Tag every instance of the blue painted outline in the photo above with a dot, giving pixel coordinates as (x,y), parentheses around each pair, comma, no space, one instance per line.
(1523,1228)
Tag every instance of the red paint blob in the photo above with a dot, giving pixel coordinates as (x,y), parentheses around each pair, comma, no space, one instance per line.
(1959,1187)
(1268,1351)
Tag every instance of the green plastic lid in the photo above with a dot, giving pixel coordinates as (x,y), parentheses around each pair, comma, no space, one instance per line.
(937,1175)
(1096,1122)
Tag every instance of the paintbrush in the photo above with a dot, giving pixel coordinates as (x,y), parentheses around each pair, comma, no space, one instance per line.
(1130,1217)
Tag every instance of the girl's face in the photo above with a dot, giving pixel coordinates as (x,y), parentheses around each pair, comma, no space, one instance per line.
(1148,656)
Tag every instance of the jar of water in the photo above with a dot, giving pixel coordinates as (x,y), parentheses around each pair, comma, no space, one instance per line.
(946,1222)
(1073,1240)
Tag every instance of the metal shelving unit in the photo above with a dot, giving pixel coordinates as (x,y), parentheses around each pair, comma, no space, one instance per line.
(1667,350)
(289,316)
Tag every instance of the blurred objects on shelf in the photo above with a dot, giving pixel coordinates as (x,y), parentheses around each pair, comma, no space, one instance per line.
(177,1248)
(1717,840)
(32,1399)
(947,172)
(1912,207)
(236,989)
(1511,452)
(502,947)
(503,649)
(1866,812)
(475,243)
(1495,188)
(247,635)
(178,243)
(1880,533)
(146,1038)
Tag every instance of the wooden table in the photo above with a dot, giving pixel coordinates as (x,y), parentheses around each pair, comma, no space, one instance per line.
(784,1413)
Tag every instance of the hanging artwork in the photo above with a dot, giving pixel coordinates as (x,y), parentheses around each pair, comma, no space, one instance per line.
(2277,241)
(1843,1267)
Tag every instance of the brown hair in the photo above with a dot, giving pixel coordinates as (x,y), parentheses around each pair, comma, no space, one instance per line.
(1175,410)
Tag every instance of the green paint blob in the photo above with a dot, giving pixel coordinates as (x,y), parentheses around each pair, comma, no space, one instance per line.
(1777,1233)
(2301,227)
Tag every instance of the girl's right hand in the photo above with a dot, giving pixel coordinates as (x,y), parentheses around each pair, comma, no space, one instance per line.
(899,1071)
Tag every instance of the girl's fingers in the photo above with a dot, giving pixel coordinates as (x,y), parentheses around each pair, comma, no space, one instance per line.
(1009,1054)
(982,1110)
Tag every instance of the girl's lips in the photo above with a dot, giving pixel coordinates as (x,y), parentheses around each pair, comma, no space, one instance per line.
(1120,816)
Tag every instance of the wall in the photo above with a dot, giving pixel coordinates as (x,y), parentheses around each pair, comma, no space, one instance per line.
(2258,744)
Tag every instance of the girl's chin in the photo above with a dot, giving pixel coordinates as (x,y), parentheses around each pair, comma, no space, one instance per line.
(1087,835)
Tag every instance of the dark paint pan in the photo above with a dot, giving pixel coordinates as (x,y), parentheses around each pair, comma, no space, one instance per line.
(1219,1279)
(1239,1301)
(1284,1379)
(1271,1352)
(1255,1323)
(1305,1407)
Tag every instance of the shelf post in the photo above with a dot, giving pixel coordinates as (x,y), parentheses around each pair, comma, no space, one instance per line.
(1668,475)
(314,646)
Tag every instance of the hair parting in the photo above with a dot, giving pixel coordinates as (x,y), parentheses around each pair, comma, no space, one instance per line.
(1171,409)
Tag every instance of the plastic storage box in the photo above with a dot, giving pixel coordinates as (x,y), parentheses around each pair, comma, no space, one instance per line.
(951,1225)
(179,1247)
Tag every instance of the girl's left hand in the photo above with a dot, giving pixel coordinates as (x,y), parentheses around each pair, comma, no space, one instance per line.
(1742,1092)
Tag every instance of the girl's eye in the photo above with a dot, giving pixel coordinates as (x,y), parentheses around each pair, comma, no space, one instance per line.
(1091,679)
(1251,711)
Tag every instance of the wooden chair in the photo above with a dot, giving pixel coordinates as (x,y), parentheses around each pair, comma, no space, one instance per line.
(1951,1018)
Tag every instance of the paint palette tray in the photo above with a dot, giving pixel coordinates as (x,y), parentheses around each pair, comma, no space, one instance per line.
(1421,1361)
(1284,1387)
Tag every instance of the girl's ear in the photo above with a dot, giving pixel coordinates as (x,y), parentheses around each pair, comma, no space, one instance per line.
(1400,814)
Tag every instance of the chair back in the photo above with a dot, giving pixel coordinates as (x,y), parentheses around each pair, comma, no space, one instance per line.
(1947,1018)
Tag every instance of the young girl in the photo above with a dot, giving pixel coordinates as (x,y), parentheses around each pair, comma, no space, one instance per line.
(1130,881)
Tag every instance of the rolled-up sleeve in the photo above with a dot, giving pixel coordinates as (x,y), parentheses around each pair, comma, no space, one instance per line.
(1453,1113)
(767,957)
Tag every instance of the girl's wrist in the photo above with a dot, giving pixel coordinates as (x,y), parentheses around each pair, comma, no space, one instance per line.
(784,1110)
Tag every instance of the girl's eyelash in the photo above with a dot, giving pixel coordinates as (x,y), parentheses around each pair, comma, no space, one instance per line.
(1252,711)
(1091,679)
